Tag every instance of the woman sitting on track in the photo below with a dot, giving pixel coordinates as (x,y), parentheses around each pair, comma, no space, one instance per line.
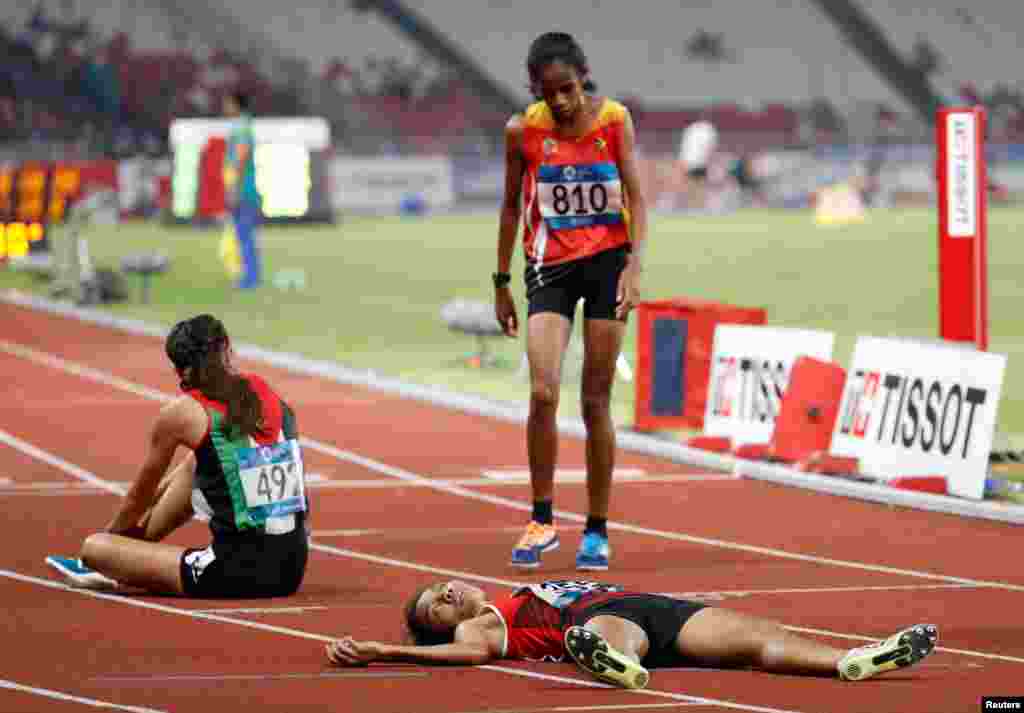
(244,473)
(616,635)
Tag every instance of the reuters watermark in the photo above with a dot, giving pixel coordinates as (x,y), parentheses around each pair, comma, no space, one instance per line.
(1002,703)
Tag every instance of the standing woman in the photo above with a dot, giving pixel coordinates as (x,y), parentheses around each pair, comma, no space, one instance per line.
(571,175)
(244,473)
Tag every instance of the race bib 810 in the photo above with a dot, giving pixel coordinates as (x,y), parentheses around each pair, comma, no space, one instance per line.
(578,195)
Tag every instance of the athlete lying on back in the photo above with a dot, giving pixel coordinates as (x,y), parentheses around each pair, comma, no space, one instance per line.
(616,635)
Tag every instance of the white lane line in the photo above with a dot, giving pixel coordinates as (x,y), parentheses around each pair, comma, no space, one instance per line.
(391,562)
(59,463)
(346,483)
(52,494)
(695,700)
(946,649)
(405,475)
(319,637)
(57,695)
(416,532)
(854,588)
(217,677)
(584,709)
(153,606)
(262,610)
(107,379)
(73,489)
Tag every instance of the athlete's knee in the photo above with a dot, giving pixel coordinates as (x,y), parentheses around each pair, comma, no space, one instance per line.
(544,394)
(595,403)
(95,548)
(767,645)
(625,637)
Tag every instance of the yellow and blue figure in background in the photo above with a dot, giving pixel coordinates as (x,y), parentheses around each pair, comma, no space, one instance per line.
(241,195)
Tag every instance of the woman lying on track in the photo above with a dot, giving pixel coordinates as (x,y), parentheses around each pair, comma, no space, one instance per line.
(616,635)
(244,473)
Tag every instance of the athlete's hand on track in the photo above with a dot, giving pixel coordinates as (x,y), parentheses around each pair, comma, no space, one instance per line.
(505,312)
(346,651)
(628,293)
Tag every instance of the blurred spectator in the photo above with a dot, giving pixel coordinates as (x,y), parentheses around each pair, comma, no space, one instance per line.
(925,58)
(101,84)
(708,47)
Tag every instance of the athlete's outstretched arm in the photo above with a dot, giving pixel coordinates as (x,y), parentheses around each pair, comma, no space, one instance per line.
(508,229)
(629,282)
(477,641)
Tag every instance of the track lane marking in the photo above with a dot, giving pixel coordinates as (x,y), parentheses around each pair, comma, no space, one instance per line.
(61,696)
(121,599)
(404,564)
(109,379)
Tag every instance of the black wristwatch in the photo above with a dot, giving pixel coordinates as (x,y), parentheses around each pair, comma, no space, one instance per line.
(501,279)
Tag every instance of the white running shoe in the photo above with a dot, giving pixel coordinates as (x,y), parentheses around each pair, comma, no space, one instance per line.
(78,575)
(902,649)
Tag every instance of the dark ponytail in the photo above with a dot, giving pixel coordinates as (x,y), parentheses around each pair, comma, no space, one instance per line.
(557,47)
(199,350)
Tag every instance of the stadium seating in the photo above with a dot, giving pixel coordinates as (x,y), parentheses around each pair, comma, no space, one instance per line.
(774,65)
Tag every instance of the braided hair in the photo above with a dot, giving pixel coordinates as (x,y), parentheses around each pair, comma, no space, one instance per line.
(557,47)
(199,349)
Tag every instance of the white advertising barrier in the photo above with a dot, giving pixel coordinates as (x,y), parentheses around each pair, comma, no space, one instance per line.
(913,408)
(309,131)
(381,184)
(750,369)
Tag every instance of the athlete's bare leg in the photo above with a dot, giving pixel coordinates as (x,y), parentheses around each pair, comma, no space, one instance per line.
(621,634)
(173,506)
(729,639)
(153,566)
(547,339)
(602,342)
(137,560)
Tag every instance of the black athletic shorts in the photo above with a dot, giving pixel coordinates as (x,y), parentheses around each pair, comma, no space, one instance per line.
(594,279)
(661,618)
(247,566)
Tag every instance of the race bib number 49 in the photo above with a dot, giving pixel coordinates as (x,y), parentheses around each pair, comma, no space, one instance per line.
(578,195)
(272,480)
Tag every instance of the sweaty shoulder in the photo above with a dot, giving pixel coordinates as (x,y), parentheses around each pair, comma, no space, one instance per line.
(612,112)
(538,116)
(489,628)
(184,420)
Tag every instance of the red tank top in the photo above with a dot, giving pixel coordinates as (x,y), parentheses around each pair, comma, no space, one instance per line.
(272,409)
(533,628)
(574,202)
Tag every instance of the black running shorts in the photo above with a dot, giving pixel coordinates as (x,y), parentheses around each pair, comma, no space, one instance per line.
(594,279)
(661,618)
(247,567)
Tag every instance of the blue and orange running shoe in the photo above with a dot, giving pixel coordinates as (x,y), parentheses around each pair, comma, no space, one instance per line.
(535,541)
(594,552)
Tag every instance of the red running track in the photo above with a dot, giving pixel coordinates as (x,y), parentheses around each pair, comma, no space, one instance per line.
(404,504)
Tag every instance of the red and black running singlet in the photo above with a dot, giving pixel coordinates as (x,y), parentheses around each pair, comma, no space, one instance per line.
(250,483)
(534,616)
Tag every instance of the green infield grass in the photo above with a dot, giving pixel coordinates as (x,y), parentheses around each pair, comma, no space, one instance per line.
(375,287)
